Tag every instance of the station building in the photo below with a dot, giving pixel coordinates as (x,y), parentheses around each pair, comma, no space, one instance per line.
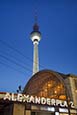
(46,93)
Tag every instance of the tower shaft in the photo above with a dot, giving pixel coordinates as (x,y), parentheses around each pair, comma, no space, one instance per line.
(35,59)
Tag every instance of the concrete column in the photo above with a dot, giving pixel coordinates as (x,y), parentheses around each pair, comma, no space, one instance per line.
(27,112)
(19,109)
(74,96)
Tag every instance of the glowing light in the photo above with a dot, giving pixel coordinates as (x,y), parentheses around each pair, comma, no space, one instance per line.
(55,92)
(63,110)
(36,37)
(56,113)
(76,90)
(58,87)
(62,97)
(45,90)
(49,85)
(51,109)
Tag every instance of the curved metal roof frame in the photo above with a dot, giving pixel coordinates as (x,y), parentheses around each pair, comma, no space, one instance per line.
(39,75)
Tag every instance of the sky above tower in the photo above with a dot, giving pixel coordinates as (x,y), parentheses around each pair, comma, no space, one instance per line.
(57,20)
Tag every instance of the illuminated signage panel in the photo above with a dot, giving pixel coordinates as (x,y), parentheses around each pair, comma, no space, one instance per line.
(36,100)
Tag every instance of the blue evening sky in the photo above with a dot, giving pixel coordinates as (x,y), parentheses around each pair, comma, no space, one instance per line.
(57,20)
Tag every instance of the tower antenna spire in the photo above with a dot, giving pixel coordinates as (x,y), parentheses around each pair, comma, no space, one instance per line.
(36,18)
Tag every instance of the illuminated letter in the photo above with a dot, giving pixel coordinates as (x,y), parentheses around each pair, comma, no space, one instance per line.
(32,99)
(37,100)
(13,97)
(7,96)
(19,97)
(64,104)
(43,101)
(71,104)
(58,102)
(25,98)
(53,101)
(48,101)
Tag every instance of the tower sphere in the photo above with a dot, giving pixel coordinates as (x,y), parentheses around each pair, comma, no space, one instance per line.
(35,34)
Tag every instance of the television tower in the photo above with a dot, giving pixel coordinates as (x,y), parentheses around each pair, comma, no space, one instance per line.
(35,36)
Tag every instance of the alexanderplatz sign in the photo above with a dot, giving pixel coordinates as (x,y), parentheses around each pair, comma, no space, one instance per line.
(36,100)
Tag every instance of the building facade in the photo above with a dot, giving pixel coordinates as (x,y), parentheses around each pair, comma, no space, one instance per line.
(46,93)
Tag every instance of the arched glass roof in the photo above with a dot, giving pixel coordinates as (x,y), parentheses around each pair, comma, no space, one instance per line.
(48,84)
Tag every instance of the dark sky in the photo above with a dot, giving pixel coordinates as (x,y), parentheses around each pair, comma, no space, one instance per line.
(57,20)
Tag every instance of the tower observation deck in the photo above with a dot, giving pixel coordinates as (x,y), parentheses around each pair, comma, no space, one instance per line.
(35,36)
